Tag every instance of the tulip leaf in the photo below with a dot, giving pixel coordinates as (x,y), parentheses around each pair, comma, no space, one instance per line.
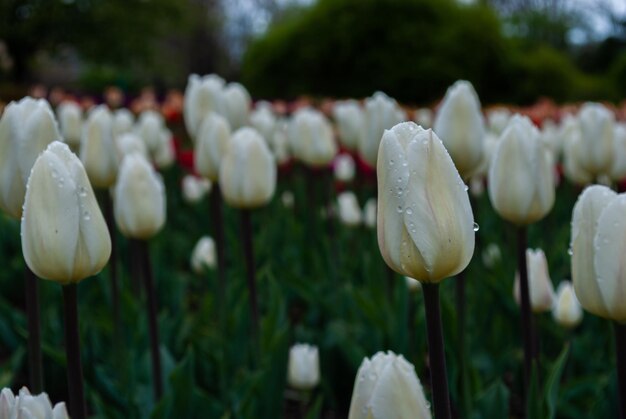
(315,410)
(493,402)
(554,380)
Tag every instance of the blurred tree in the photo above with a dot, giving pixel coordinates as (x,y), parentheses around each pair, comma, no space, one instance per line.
(112,31)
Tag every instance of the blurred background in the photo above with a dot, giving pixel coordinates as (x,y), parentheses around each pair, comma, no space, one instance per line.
(513,51)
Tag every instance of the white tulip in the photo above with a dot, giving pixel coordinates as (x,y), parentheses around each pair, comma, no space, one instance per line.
(263,120)
(596,126)
(424,117)
(460,125)
(236,105)
(98,151)
(64,236)
(280,143)
(123,121)
(348,116)
(381,113)
(204,255)
(150,126)
(521,182)
(572,168)
(567,310)
(303,369)
(128,143)
(539,283)
(491,255)
(387,387)
(311,138)
(369,213)
(248,171)
(287,199)
(598,237)
(27,406)
(195,188)
(498,119)
(344,168)
(70,117)
(202,95)
(425,221)
(165,154)
(618,168)
(139,198)
(349,209)
(211,144)
(26,129)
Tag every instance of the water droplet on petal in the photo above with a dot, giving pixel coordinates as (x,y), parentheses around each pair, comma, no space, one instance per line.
(409,211)
(400,209)
(570,251)
(476,227)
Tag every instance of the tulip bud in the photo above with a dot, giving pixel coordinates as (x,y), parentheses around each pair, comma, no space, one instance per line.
(424,117)
(311,138)
(123,121)
(498,119)
(202,95)
(349,118)
(129,143)
(618,168)
(521,182)
(280,143)
(150,128)
(369,213)
(460,125)
(381,113)
(541,290)
(572,168)
(567,311)
(64,236)
(425,221)
(596,127)
(598,237)
(349,209)
(97,150)
(195,188)
(287,199)
(211,144)
(139,198)
(344,168)
(70,117)
(263,120)
(388,387)
(204,255)
(165,154)
(237,105)
(491,255)
(26,129)
(27,406)
(303,369)
(248,171)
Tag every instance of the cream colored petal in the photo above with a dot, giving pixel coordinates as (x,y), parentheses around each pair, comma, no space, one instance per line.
(587,210)
(609,263)
(211,145)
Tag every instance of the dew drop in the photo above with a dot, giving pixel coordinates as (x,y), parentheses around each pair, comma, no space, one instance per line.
(87,216)
(82,191)
(409,211)
(476,227)
(570,251)
(400,209)
(466,188)
(391,162)
(55,174)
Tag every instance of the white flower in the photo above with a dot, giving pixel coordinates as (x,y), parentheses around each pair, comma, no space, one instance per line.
(204,255)
(303,370)
(567,310)
(27,406)
(381,113)
(349,209)
(348,116)
(70,117)
(539,283)
(344,167)
(369,213)
(195,188)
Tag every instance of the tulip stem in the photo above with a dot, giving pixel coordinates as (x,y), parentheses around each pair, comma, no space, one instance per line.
(153,327)
(461,353)
(107,203)
(438,375)
(528,329)
(620,354)
(31,288)
(216,212)
(77,409)
(249,255)
(135,267)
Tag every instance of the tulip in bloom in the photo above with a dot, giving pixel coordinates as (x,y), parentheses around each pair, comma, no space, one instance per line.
(311,138)
(388,387)
(539,283)
(598,237)
(139,198)
(64,236)
(97,149)
(381,113)
(369,213)
(27,406)
(211,144)
(236,105)
(195,188)
(596,127)
(70,117)
(303,369)
(521,182)
(248,171)
(263,120)
(344,168)
(348,116)
(202,95)
(349,209)
(460,125)
(26,129)
(204,255)
(567,311)
(425,221)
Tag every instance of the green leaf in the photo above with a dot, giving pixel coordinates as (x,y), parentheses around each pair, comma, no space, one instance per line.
(554,380)
(493,402)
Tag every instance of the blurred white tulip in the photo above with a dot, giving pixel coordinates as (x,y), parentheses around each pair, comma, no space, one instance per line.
(236,105)
(263,120)
(203,94)
(595,153)
(348,116)
(149,127)
(369,213)
(618,168)
(128,143)
(303,369)
(567,310)
(344,167)
(539,283)
(424,117)
(211,144)
(349,209)
(204,255)
(98,151)
(498,119)
(381,113)
(311,138)
(70,116)
(64,235)
(165,154)
(491,255)
(195,188)
(27,406)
